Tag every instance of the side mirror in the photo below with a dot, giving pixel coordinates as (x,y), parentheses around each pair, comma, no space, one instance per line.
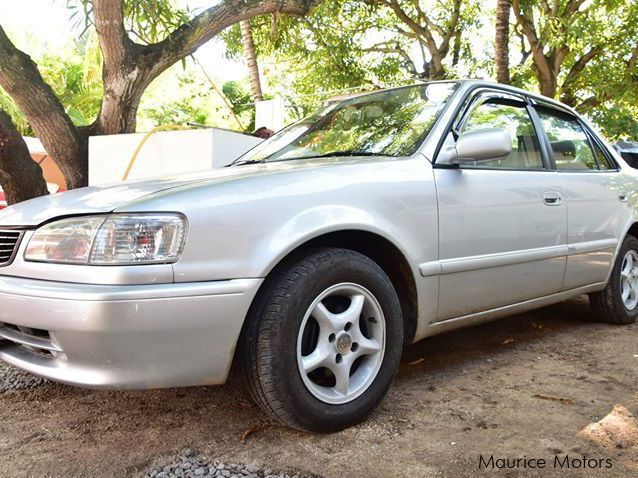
(478,145)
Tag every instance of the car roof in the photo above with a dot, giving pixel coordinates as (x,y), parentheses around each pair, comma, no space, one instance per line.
(470,84)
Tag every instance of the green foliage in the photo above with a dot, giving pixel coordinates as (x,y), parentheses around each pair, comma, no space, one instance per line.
(347,46)
(617,122)
(76,81)
(241,101)
(75,77)
(307,60)
(189,103)
(147,21)
(606,88)
(184,95)
(20,122)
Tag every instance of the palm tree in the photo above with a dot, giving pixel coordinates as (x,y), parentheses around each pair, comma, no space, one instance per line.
(502,40)
(248,45)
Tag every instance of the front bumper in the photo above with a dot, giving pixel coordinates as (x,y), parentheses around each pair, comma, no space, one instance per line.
(124,336)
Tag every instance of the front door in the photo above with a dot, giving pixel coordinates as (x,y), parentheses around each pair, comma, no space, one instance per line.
(502,223)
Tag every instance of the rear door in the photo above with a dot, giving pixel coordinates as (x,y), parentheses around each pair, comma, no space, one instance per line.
(502,223)
(595,196)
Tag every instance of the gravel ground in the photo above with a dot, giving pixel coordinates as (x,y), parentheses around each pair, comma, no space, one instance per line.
(188,465)
(12,378)
(545,384)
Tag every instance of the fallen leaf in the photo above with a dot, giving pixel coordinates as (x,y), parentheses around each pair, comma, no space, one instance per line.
(565,401)
(251,431)
(508,341)
(417,361)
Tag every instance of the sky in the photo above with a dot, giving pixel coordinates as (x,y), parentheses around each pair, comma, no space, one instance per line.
(52,28)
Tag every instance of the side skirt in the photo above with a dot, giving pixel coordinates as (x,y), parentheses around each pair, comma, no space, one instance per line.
(492,314)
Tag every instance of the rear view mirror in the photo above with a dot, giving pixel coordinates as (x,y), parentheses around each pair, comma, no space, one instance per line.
(478,145)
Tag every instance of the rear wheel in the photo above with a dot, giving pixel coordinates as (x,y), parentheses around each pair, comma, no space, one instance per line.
(324,341)
(618,302)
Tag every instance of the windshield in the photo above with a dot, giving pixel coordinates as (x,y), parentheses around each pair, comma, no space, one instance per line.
(388,123)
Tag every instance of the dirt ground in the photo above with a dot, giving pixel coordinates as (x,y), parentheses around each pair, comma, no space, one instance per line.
(550,382)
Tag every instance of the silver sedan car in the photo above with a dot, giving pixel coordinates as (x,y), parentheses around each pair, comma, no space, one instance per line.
(319,255)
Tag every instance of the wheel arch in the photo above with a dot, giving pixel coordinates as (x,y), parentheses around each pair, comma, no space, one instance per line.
(633,230)
(378,248)
(630,229)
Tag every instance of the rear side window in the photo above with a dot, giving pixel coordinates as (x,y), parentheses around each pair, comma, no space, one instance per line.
(571,147)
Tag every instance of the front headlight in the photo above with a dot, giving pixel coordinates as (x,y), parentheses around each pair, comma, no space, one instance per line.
(117,239)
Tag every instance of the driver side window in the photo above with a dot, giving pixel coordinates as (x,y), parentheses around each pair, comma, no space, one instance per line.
(512,116)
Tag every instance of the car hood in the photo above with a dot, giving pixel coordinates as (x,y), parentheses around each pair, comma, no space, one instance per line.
(107,198)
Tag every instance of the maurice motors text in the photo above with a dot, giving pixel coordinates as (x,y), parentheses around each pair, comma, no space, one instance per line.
(565,462)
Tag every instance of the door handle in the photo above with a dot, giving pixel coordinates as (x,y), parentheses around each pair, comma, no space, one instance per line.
(552,198)
(622,196)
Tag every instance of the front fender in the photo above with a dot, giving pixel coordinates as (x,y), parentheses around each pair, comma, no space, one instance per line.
(313,223)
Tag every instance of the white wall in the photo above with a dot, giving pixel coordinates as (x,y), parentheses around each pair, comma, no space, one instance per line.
(164,153)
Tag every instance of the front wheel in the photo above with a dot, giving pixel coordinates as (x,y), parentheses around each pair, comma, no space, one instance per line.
(324,341)
(618,302)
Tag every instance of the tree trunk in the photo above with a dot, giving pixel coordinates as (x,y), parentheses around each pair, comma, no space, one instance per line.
(436,70)
(122,95)
(502,39)
(548,84)
(248,45)
(20,177)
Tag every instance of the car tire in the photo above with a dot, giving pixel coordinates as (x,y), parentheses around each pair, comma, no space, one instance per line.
(617,303)
(306,367)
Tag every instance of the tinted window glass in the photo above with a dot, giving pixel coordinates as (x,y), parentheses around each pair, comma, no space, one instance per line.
(511,116)
(571,149)
(603,161)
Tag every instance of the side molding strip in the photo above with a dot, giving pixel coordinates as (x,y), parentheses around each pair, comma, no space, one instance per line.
(486,261)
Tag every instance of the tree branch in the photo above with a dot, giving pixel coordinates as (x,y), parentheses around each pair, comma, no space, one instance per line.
(451,29)
(547,75)
(397,50)
(423,32)
(572,7)
(186,39)
(580,64)
(20,77)
(116,46)
(633,61)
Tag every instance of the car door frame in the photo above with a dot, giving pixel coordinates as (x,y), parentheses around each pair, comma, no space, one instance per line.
(459,116)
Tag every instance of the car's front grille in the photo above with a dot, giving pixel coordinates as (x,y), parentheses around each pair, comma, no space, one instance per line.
(9,241)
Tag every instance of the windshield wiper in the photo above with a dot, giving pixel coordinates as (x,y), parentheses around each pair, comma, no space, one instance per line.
(331,154)
(245,162)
